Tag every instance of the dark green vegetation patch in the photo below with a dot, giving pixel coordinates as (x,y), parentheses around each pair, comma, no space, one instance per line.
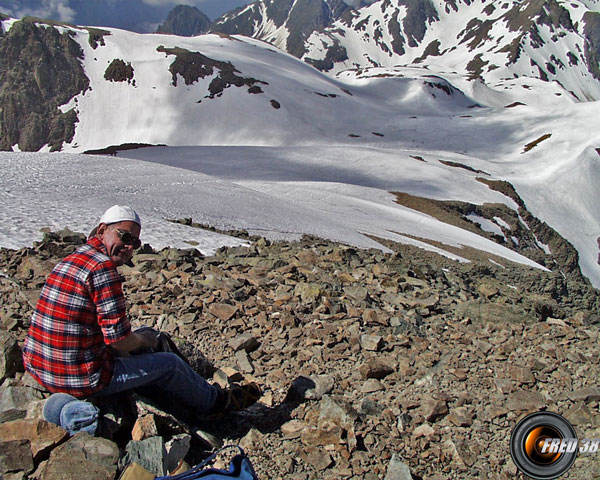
(119,71)
(192,66)
(40,71)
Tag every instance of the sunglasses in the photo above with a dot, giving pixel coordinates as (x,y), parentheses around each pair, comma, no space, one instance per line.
(128,239)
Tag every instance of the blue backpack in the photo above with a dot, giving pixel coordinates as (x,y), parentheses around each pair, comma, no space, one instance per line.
(240,468)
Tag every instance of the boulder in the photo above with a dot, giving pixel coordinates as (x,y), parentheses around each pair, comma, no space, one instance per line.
(11,358)
(83,456)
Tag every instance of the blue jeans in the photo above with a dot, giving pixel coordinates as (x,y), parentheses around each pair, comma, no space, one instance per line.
(169,376)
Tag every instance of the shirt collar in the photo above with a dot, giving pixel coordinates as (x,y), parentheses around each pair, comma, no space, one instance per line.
(96,243)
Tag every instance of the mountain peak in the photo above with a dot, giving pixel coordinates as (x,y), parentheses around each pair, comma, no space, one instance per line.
(287,24)
(185,21)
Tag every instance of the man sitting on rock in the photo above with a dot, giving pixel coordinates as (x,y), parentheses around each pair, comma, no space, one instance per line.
(80,340)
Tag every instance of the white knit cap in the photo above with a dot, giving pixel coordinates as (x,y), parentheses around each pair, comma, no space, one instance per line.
(117,213)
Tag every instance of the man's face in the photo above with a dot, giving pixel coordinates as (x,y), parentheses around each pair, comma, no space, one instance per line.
(110,235)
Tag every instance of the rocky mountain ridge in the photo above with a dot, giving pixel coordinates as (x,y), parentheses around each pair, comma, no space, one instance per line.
(553,41)
(492,41)
(285,23)
(404,365)
(488,40)
(40,70)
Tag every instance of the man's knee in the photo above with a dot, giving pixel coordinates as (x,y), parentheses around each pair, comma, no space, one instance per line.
(168,357)
(173,361)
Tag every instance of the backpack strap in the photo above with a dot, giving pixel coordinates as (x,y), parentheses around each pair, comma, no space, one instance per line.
(246,470)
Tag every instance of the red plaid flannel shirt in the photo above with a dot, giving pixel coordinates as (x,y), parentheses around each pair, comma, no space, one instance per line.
(80,312)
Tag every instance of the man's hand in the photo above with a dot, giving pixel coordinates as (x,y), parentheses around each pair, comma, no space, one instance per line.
(135,341)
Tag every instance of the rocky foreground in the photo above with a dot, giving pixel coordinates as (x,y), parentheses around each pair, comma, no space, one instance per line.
(374,366)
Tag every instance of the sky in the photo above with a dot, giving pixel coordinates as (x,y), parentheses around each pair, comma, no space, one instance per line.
(141,16)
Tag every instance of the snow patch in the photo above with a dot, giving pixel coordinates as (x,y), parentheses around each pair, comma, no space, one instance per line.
(486,225)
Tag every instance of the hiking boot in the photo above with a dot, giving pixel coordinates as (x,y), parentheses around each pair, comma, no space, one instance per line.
(240,397)
(237,397)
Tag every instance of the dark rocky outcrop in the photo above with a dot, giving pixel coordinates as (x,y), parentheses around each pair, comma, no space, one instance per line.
(301,18)
(192,66)
(119,71)
(591,31)
(420,13)
(373,365)
(305,17)
(521,230)
(185,21)
(334,54)
(40,70)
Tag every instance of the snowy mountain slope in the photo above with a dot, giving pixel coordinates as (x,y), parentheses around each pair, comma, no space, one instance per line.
(282,101)
(328,150)
(174,84)
(71,190)
(553,40)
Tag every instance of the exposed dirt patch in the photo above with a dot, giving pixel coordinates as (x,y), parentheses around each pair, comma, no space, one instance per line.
(437,209)
(97,37)
(462,165)
(536,142)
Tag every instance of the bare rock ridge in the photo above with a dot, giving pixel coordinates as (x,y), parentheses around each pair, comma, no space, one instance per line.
(592,47)
(40,70)
(403,365)
(299,18)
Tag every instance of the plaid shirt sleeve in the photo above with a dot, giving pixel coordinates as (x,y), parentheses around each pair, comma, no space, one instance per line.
(107,294)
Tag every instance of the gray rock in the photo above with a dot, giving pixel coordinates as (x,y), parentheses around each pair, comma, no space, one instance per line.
(244,362)
(371,342)
(149,453)
(83,456)
(357,293)
(397,469)
(14,401)
(324,384)
(177,448)
(208,440)
(246,342)
(11,359)
(319,459)
(15,455)
(523,400)
(590,394)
